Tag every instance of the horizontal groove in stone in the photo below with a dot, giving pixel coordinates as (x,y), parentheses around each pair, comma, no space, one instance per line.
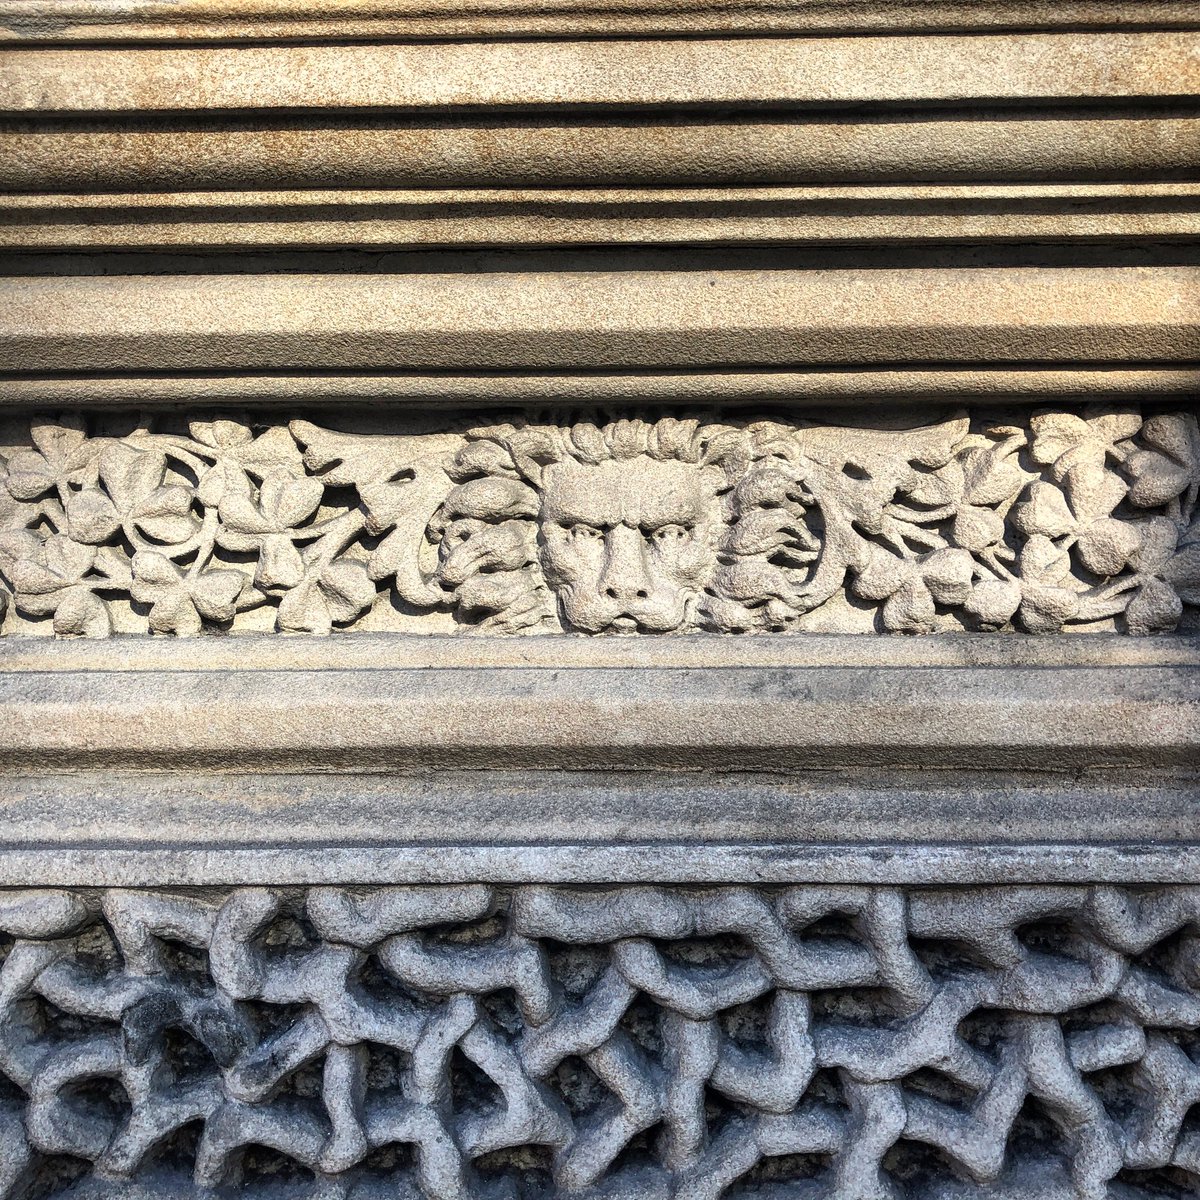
(717,72)
(882,863)
(392,651)
(578,808)
(632,319)
(880,386)
(763,718)
(34,21)
(870,214)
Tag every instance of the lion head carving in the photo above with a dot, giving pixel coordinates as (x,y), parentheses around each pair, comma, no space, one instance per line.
(639,526)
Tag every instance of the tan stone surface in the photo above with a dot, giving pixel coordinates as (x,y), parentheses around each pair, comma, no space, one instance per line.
(650,74)
(870,215)
(610,150)
(840,388)
(600,319)
(154,20)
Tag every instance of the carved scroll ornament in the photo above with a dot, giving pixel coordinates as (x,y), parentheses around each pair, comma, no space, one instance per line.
(1063,520)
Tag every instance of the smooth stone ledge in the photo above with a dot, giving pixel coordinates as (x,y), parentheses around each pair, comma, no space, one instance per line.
(150,811)
(681,863)
(653,716)
(599,319)
(397,651)
(377,758)
(835,389)
(31,21)
(644,74)
(162,152)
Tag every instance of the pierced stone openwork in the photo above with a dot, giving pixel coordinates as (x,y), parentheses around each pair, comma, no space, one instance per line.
(455,1041)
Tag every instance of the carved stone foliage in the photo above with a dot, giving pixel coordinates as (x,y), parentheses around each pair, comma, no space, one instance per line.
(447,1042)
(1038,523)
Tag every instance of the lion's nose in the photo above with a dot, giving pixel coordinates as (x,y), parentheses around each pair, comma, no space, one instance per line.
(625,579)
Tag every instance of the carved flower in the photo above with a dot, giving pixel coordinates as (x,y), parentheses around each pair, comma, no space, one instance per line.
(1161,474)
(64,455)
(180,602)
(134,498)
(54,577)
(336,595)
(1168,577)
(270,526)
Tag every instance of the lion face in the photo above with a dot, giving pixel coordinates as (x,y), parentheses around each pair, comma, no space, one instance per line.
(629,545)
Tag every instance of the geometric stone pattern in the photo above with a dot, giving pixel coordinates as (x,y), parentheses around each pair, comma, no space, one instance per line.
(1057,520)
(455,1041)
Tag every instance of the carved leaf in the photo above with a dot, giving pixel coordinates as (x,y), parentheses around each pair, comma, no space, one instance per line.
(992,602)
(339,593)
(1182,572)
(910,609)
(977,528)
(948,574)
(63,456)
(1108,546)
(180,601)
(1156,608)
(1045,513)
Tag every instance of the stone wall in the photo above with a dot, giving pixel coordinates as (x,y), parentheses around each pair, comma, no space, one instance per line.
(599,600)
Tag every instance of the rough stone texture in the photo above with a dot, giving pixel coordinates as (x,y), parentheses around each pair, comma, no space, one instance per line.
(582,320)
(744,319)
(469,1041)
(644,74)
(867,214)
(34,21)
(1063,520)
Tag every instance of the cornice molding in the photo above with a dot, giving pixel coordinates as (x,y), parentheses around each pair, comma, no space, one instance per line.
(576,76)
(34,21)
(863,215)
(597,320)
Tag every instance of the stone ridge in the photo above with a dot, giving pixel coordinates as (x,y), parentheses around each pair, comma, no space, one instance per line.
(1058,520)
(32,21)
(468,1041)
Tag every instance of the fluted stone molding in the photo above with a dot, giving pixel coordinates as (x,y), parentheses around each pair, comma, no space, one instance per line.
(599,599)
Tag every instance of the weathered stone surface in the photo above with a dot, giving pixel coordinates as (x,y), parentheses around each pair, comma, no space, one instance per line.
(1061,520)
(643,74)
(578,320)
(445,1041)
(426,323)
(1063,385)
(866,214)
(221,20)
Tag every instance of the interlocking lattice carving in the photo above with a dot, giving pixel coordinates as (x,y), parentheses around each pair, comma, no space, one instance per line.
(457,1041)
(1039,523)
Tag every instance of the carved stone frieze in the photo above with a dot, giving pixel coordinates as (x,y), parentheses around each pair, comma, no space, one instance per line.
(457,1041)
(1057,520)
